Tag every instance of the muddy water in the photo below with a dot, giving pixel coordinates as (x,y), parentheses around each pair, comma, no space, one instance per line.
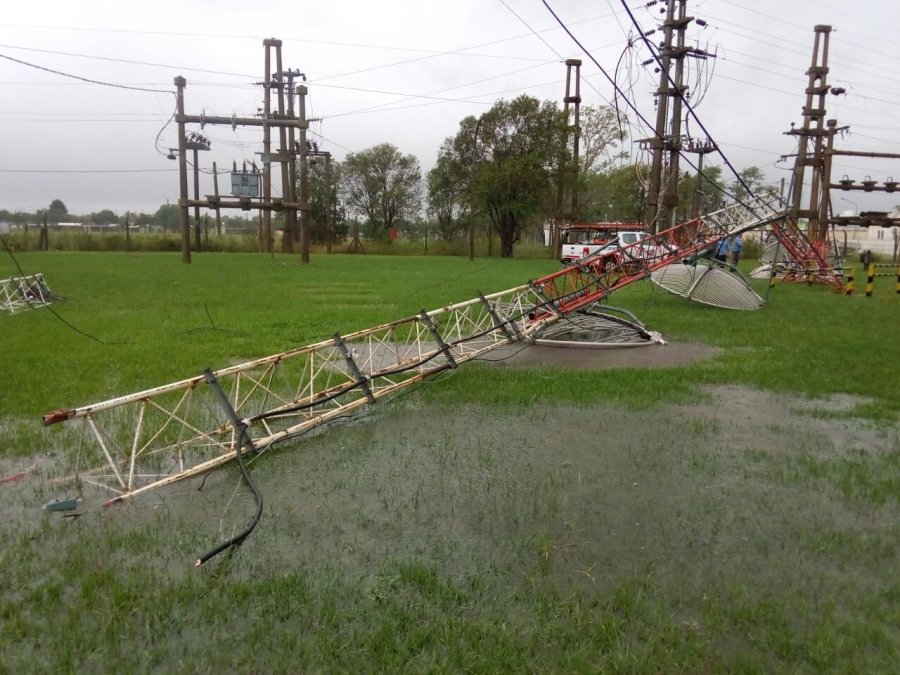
(581,496)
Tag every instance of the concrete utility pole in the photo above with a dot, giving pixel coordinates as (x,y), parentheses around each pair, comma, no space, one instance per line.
(566,169)
(670,192)
(658,142)
(266,223)
(821,158)
(288,235)
(662,191)
(813,127)
(700,148)
(304,177)
(216,193)
(291,150)
(196,142)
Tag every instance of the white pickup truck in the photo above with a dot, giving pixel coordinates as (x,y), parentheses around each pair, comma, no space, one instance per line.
(617,243)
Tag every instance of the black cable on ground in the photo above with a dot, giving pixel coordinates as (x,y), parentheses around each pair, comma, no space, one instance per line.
(243,439)
(48,307)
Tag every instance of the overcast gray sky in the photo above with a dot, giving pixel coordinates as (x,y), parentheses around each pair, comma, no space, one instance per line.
(406,72)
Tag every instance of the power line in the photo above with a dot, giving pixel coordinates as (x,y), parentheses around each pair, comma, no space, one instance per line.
(129,61)
(685,102)
(84,79)
(86,170)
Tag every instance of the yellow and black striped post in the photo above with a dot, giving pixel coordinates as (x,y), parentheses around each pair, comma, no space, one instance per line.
(851,273)
(870,280)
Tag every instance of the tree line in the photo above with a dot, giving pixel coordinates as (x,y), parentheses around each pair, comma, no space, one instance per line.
(499,174)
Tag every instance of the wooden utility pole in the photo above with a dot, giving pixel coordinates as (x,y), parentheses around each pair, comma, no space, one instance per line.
(43,237)
(474,171)
(180,84)
(329,223)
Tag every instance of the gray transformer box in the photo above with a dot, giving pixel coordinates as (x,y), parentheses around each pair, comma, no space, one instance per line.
(245,184)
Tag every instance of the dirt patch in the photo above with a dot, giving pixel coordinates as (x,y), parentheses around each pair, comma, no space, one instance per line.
(646,356)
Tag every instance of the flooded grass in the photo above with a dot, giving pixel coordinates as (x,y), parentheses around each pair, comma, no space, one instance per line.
(730,504)
(476,537)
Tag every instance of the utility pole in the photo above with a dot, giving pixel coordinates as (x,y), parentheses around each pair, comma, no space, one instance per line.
(287,190)
(700,148)
(473,171)
(827,160)
(196,142)
(567,170)
(266,219)
(670,193)
(823,133)
(662,192)
(304,177)
(657,143)
(245,188)
(813,127)
(180,84)
(329,234)
(216,194)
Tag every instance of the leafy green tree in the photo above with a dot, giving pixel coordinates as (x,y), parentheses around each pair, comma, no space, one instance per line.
(513,155)
(753,178)
(168,217)
(56,212)
(602,133)
(383,186)
(615,195)
(324,177)
(449,184)
(104,217)
(707,190)
(520,142)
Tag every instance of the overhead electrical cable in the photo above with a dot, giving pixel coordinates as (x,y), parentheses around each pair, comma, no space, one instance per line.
(84,79)
(634,107)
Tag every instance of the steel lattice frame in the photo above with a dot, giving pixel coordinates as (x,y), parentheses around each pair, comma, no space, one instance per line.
(24,292)
(179,430)
(152,438)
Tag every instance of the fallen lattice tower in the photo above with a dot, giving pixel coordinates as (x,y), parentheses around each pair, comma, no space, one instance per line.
(142,441)
(25,292)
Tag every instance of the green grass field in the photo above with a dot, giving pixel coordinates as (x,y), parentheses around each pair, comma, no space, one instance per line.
(741,513)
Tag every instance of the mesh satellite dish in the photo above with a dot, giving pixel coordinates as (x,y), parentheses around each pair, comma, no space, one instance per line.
(707,283)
